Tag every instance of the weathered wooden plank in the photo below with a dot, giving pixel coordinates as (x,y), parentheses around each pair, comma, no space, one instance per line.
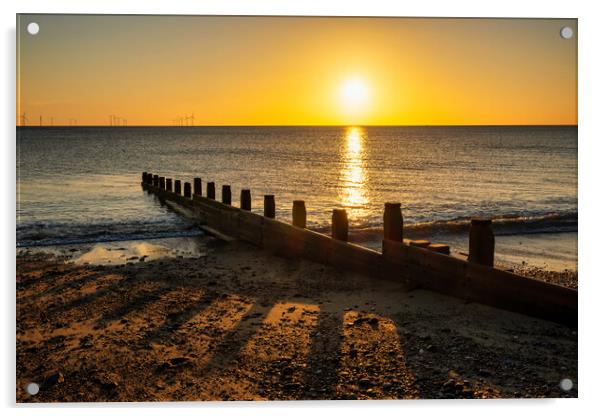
(250,227)
(521,294)
(282,238)
(355,258)
(317,247)
(400,261)
(217,234)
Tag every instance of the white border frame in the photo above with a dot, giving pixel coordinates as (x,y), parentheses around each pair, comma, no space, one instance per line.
(590,137)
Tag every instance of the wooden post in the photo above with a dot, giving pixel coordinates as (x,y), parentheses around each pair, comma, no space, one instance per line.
(187,190)
(299,214)
(161,182)
(168,184)
(481,244)
(393,222)
(156,181)
(211,190)
(340,225)
(178,187)
(226,195)
(198,187)
(269,206)
(245,199)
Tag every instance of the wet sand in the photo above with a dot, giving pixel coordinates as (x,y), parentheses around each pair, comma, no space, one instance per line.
(233,322)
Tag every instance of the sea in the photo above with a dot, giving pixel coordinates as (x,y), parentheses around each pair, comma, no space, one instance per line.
(81,185)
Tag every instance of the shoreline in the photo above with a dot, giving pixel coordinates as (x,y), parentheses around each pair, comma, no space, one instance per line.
(566,278)
(186,246)
(236,323)
(529,254)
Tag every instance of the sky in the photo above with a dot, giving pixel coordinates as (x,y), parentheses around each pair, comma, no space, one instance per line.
(162,70)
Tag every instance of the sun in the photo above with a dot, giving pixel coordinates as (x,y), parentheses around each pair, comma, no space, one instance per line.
(354,95)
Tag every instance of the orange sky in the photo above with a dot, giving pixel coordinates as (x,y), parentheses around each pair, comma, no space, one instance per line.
(293,71)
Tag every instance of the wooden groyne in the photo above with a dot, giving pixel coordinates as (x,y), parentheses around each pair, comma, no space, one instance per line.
(417,264)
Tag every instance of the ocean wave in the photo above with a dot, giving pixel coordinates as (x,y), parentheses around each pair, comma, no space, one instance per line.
(539,223)
(48,234)
(505,224)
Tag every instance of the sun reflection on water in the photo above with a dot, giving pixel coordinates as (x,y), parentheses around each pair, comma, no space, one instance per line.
(353,174)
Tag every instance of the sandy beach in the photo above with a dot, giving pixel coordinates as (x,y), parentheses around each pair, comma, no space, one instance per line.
(234,322)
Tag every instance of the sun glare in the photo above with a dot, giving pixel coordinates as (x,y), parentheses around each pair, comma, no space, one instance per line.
(354,95)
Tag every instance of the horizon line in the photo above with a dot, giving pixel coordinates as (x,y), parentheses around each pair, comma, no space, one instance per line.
(305,125)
